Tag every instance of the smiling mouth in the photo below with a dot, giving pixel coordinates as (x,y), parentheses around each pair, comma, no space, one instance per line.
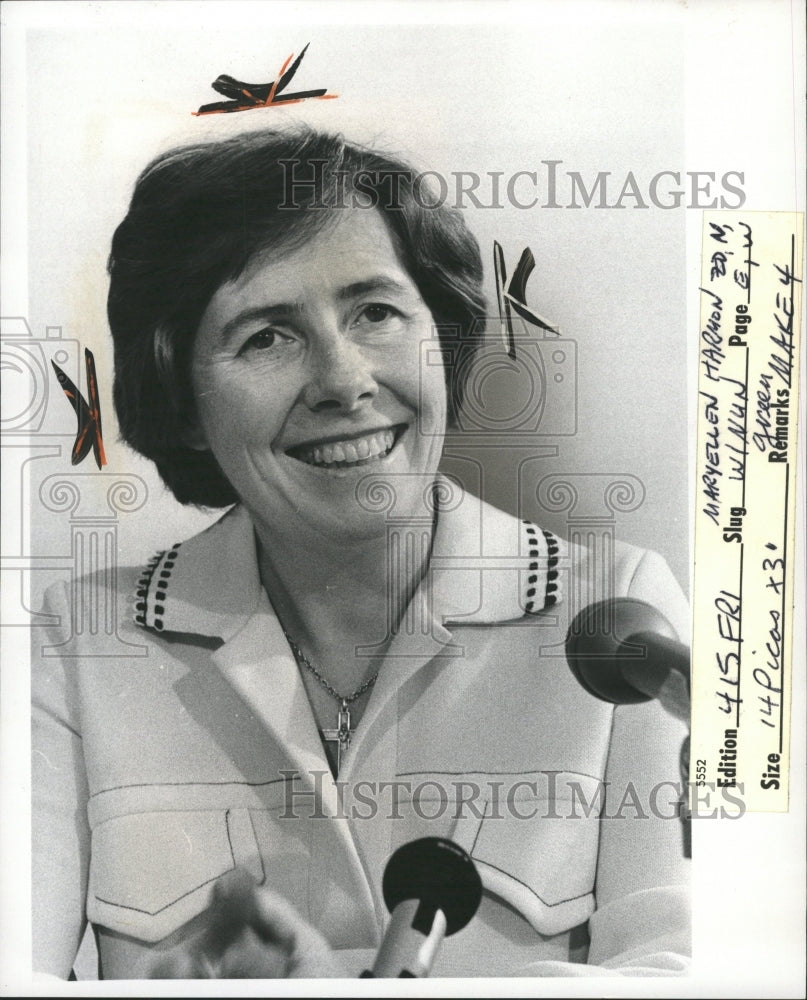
(350,452)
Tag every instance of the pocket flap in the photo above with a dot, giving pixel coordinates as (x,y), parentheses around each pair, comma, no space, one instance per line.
(540,856)
(152,872)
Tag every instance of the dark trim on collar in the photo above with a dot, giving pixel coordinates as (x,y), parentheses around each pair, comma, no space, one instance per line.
(487,567)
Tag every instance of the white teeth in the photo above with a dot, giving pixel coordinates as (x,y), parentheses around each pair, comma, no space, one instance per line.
(352,452)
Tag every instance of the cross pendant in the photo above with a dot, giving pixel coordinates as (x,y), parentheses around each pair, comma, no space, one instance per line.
(341,735)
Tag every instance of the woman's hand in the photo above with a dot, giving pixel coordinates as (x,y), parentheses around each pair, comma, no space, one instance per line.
(252,933)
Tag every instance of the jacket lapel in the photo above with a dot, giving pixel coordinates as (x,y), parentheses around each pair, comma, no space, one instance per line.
(258,663)
(260,666)
(486,567)
(210,586)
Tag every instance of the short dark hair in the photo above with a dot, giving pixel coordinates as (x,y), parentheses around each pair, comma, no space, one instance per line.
(199,213)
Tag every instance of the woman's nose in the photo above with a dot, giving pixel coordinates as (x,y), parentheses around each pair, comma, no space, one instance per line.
(341,377)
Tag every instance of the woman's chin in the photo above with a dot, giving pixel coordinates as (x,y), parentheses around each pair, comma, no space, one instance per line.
(347,504)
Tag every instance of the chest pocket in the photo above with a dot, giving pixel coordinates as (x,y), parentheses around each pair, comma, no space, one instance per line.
(151,872)
(538,852)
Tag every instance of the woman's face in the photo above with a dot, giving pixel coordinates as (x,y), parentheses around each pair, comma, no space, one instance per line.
(309,374)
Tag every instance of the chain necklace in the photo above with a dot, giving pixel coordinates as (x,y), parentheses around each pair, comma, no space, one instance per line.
(342,734)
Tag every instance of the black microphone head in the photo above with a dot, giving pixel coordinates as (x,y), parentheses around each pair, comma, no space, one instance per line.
(599,638)
(438,873)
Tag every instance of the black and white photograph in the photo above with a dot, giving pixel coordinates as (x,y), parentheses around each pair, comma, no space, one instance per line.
(351,467)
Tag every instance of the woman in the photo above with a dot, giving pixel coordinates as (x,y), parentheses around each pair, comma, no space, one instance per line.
(358,653)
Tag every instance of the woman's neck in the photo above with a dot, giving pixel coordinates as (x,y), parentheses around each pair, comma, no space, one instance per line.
(332,598)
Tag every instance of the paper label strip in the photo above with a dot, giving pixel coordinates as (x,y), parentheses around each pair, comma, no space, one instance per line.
(748,358)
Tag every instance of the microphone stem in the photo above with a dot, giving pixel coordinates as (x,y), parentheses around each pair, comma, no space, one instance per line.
(651,675)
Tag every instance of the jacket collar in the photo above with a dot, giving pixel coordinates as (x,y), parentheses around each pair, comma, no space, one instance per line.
(486,567)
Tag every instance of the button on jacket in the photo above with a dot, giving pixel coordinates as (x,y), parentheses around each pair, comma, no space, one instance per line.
(189,748)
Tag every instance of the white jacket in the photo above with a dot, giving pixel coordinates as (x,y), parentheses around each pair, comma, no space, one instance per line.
(193,749)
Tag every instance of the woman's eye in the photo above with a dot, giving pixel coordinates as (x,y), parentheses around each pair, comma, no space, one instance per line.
(376,312)
(263,340)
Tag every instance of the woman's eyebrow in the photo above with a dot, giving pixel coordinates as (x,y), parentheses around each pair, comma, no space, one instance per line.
(379,283)
(287,310)
(280,310)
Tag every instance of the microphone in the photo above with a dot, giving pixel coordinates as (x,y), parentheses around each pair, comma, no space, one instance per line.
(625,651)
(432,889)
